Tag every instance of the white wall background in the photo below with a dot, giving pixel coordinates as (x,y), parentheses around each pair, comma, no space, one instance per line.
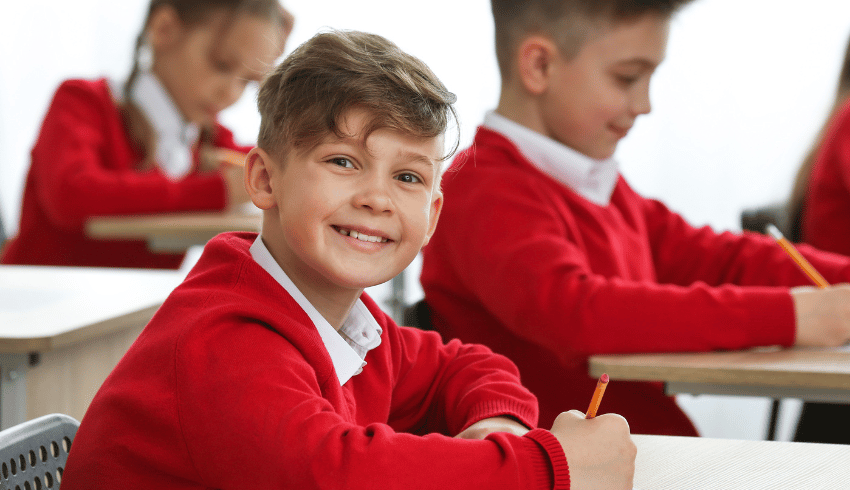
(744,89)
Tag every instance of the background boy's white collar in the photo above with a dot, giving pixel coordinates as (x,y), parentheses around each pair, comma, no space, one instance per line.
(592,179)
(359,334)
(175,138)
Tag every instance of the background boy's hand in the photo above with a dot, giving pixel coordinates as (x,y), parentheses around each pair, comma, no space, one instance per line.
(822,315)
(600,451)
(480,429)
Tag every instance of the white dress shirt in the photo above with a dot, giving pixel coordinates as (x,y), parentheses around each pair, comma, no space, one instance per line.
(591,178)
(359,333)
(175,138)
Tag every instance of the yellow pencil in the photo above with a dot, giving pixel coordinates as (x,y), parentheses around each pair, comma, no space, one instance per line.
(597,396)
(801,261)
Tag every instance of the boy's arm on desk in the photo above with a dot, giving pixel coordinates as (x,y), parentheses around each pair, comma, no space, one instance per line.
(544,280)
(451,386)
(687,254)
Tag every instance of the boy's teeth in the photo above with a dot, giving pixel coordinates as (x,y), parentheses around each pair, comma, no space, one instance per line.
(362,236)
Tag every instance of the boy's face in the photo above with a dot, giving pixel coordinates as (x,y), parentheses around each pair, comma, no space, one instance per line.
(593,99)
(353,213)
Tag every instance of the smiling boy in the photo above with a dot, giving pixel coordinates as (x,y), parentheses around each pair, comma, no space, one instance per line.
(356,208)
(545,254)
(270,368)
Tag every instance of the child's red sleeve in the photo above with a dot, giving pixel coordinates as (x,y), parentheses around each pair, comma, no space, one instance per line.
(447,387)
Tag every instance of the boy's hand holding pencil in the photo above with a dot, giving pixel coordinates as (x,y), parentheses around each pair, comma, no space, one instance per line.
(599,449)
(822,315)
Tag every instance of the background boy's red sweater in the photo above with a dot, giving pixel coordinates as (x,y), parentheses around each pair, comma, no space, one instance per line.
(83,165)
(826,212)
(229,386)
(525,265)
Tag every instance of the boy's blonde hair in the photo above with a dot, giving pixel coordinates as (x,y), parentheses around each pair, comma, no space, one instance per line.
(567,22)
(302,100)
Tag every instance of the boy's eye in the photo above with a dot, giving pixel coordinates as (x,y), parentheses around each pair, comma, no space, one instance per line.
(342,162)
(409,178)
(626,79)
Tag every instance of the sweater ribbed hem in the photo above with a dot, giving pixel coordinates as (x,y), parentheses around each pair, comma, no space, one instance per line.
(552,472)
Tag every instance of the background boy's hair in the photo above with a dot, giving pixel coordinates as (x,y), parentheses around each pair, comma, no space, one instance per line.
(567,22)
(302,100)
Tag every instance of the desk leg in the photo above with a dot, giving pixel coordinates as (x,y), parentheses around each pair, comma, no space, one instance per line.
(13,389)
(774,418)
(397,300)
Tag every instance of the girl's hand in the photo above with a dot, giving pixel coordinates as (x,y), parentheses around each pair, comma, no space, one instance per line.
(234,181)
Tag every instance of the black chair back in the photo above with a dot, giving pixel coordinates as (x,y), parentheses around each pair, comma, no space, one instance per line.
(418,315)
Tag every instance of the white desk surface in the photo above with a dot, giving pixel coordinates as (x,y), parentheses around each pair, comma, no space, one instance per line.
(694,463)
(44,308)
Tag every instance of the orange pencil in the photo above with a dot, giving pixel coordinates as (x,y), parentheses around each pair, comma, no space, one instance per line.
(801,261)
(597,396)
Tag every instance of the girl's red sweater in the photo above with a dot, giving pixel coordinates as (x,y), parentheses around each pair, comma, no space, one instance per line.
(83,165)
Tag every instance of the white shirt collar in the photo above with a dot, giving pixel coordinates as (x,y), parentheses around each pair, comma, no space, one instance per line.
(359,334)
(592,179)
(175,138)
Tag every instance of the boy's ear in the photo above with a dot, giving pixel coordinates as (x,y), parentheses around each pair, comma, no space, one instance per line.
(164,28)
(534,60)
(436,209)
(259,168)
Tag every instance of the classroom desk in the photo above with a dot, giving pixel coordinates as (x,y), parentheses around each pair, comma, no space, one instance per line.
(63,329)
(174,232)
(698,463)
(810,374)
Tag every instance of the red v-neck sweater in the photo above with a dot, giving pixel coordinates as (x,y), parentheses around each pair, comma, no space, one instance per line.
(84,164)
(826,210)
(525,265)
(229,386)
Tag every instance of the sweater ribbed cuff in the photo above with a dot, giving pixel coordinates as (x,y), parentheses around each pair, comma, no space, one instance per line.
(553,470)
(524,413)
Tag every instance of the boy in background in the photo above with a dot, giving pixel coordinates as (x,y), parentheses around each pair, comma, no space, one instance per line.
(546,254)
(269,368)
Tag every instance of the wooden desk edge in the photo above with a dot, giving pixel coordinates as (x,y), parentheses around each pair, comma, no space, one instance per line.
(714,375)
(43,344)
(170,224)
